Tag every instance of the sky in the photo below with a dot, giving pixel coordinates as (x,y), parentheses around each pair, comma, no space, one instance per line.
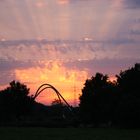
(64,42)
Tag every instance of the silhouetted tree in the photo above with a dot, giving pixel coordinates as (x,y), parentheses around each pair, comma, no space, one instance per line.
(57,109)
(97,100)
(56,102)
(128,110)
(14,101)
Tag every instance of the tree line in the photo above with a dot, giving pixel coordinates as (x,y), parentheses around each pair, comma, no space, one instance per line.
(112,103)
(102,103)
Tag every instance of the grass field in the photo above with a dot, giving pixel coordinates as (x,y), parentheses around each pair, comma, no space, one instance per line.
(68,134)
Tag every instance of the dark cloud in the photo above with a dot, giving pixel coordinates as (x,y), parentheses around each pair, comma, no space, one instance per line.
(8,67)
(63,50)
(106,66)
(40,43)
(135,32)
(132,3)
(6,77)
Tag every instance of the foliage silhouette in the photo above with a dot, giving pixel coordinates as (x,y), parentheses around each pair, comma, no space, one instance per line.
(18,108)
(97,99)
(15,102)
(104,102)
(128,111)
(57,108)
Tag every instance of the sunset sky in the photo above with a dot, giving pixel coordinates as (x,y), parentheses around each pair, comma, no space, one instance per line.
(64,42)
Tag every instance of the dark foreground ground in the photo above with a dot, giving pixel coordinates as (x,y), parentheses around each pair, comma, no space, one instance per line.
(21,133)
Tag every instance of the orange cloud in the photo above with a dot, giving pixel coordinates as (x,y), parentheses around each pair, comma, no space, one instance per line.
(63,1)
(40,4)
(55,74)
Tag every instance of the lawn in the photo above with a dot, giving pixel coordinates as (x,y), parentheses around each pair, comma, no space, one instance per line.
(37,133)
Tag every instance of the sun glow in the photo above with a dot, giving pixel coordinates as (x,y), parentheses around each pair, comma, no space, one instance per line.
(63,2)
(113,79)
(57,75)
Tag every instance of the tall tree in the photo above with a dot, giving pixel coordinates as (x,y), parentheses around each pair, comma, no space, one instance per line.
(128,111)
(96,101)
(14,101)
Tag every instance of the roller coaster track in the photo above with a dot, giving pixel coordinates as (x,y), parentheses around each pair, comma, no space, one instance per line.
(60,97)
